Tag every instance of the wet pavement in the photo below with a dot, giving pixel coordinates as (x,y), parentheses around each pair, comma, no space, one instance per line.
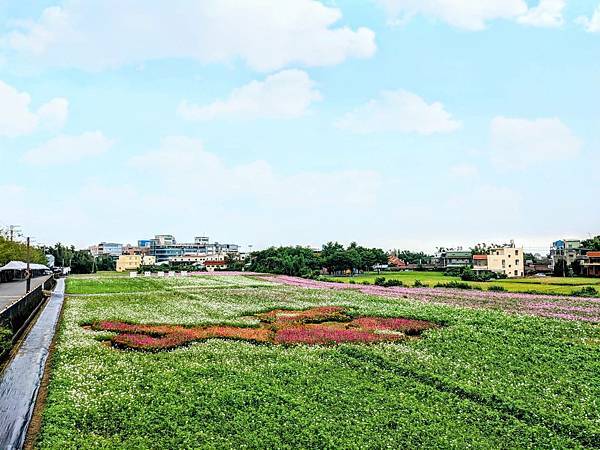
(14,290)
(20,381)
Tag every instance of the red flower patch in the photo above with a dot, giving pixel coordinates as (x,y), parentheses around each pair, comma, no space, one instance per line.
(323,325)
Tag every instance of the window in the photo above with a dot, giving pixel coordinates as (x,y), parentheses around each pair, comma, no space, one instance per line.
(517,262)
(517,252)
(516,272)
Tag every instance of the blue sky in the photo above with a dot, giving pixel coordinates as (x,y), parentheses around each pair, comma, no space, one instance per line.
(396,123)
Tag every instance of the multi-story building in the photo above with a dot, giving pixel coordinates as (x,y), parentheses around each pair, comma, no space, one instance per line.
(507,259)
(106,248)
(591,266)
(569,250)
(134,262)
(165,247)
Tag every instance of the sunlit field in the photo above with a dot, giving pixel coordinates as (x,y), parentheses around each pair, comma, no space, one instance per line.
(543,285)
(474,377)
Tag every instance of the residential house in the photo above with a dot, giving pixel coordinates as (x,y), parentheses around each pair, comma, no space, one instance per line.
(397,263)
(211,266)
(447,259)
(591,267)
(507,259)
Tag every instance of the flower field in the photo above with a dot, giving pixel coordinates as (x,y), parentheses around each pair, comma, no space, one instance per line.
(321,325)
(502,371)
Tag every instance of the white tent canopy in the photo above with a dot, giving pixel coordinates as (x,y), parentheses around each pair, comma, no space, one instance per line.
(20,265)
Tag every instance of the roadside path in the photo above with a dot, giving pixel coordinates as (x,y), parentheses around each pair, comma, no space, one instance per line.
(20,381)
(14,290)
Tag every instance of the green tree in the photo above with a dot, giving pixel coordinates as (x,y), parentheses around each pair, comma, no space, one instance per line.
(412,257)
(17,251)
(592,243)
(62,254)
(561,268)
(234,263)
(105,263)
(82,262)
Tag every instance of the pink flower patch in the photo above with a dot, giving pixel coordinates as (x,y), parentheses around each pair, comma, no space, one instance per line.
(325,325)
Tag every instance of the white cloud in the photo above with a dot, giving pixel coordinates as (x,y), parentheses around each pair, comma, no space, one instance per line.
(286,94)
(591,25)
(17,118)
(266,34)
(195,172)
(464,171)
(474,15)
(399,111)
(54,113)
(467,14)
(548,13)
(520,143)
(68,149)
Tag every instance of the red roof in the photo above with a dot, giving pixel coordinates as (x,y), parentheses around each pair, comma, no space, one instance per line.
(480,257)
(214,263)
(395,261)
(593,254)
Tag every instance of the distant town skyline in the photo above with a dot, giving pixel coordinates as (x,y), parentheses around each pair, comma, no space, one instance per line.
(392,123)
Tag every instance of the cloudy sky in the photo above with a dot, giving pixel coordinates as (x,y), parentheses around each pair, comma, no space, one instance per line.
(396,123)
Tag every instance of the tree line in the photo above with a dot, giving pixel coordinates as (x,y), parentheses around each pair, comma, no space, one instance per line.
(305,262)
(17,251)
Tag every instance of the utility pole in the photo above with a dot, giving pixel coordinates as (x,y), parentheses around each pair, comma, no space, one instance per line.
(28,282)
(12,230)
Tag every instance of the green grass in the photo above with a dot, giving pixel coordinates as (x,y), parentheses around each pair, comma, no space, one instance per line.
(485,379)
(542,285)
(102,274)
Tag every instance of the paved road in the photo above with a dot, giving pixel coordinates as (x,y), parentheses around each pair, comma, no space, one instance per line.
(9,292)
(20,381)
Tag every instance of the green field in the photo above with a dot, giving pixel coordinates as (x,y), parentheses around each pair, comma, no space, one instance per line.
(481,379)
(541,285)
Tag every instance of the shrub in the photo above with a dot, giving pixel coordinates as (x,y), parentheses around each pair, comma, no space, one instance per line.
(5,340)
(419,283)
(586,291)
(365,283)
(352,282)
(454,285)
(392,283)
(469,274)
(380,281)
(453,272)
(497,288)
